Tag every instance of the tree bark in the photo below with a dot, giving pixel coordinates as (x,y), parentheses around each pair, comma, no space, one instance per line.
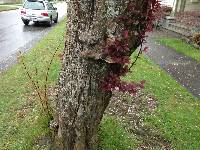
(81,100)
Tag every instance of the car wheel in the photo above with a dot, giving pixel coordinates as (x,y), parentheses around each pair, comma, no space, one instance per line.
(50,22)
(36,23)
(26,22)
(56,20)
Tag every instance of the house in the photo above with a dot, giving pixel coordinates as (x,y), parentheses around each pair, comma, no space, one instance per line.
(186,5)
(185,18)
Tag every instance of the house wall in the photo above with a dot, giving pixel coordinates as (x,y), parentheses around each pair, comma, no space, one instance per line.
(179,5)
(192,6)
(186,5)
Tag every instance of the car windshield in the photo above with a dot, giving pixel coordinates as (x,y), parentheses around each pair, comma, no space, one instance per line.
(34,5)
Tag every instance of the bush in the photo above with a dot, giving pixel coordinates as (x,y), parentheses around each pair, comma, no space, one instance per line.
(166,9)
(163,12)
(196,38)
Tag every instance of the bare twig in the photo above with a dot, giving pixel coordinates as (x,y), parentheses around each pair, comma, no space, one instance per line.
(43,98)
(35,84)
(47,75)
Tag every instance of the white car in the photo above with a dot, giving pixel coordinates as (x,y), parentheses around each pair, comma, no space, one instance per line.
(39,11)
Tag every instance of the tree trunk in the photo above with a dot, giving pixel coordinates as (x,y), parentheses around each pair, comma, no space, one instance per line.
(81,101)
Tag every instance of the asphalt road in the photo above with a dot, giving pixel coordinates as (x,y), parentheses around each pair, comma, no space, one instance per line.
(15,36)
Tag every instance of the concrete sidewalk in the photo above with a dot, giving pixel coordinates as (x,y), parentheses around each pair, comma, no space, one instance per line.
(182,68)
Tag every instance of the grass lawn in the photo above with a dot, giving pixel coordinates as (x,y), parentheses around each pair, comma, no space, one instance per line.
(177,116)
(6,8)
(21,119)
(7,4)
(113,136)
(22,122)
(181,47)
(17,4)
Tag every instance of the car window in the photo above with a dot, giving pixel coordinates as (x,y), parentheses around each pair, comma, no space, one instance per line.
(34,5)
(50,6)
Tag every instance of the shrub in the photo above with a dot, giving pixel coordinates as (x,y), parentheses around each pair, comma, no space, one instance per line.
(196,38)
(163,11)
(166,9)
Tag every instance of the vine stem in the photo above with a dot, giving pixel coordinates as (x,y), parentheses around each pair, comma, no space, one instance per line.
(140,52)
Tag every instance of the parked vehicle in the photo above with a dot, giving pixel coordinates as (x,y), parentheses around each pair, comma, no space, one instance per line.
(39,11)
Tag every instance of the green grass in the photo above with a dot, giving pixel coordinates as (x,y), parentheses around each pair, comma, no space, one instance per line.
(21,119)
(6,8)
(177,116)
(8,4)
(181,47)
(114,137)
(21,122)
(17,4)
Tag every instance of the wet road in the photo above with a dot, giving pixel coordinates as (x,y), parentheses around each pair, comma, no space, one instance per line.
(14,36)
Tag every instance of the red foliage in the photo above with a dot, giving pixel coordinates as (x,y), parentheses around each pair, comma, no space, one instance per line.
(113,82)
(145,49)
(117,49)
(125,34)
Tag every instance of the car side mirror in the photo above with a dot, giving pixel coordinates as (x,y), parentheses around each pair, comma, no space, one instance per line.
(55,8)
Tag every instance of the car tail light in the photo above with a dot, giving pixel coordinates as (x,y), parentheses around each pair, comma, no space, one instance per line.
(44,14)
(23,12)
